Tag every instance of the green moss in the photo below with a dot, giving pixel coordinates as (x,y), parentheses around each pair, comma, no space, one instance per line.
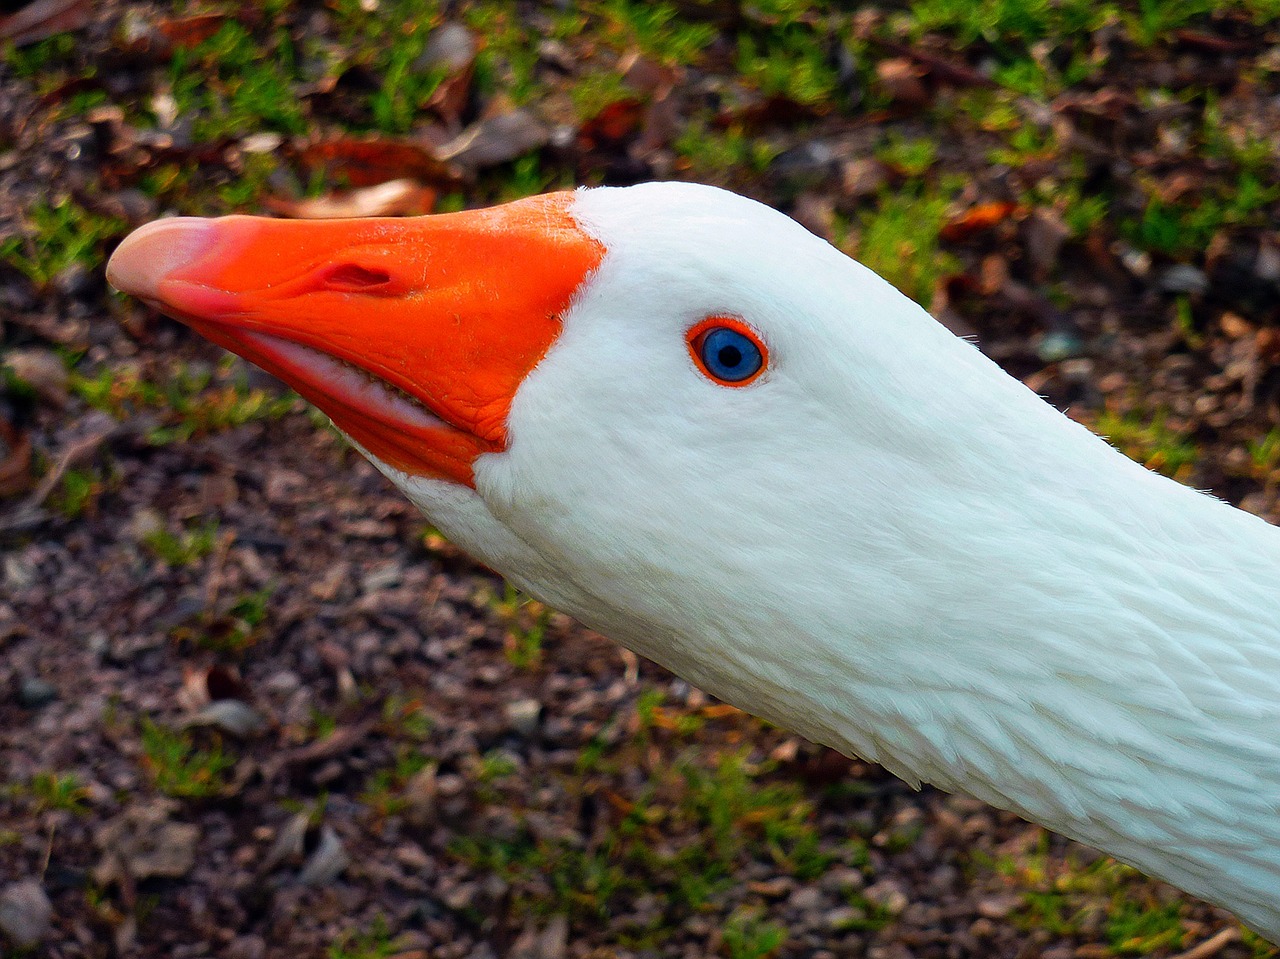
(180,768)
(710,820)
(899,240)
(1149,440)
(185,548)
(58,235)
(234,83)
(747,936)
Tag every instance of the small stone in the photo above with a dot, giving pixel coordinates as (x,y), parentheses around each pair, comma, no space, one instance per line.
(1058,345)
(327,862)
(523,715)
(43,371)
(844,917)
(230,716)
(863,177)
(998,907)
(805,899)
(247,947)
(382,577)
(451,46)
(77,282)
(143,842)
(1183,278)
(420,796)
(554,941)
(888,896)
(261,143)
(812,158)
(25,913)
(288,843)
(496,140)
(34,692)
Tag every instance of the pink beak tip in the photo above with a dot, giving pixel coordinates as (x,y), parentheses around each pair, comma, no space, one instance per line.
(153,252)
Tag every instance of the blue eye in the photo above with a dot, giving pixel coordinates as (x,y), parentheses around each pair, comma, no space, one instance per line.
(728,354)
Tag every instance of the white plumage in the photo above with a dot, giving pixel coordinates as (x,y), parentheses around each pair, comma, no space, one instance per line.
(892,547)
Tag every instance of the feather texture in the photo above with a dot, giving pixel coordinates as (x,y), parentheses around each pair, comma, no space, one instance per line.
(890,546)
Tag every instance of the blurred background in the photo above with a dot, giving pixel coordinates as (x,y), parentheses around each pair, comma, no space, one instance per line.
(251,705)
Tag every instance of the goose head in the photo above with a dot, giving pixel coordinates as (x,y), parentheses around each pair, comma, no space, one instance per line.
(677,415)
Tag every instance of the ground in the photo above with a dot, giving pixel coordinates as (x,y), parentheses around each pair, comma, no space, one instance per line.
(251,705)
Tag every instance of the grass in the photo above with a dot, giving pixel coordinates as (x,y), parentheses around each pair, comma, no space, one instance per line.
(712,155)
(1061,897)
(687,835)
(1150,441)
(56,236)
(180,768)
(232,629)
(383,793)
(192,401)
(1182,228)
(792,64)
(376,942)
(391,44)
(910,157)
(185,548)
(899,240)
(747,936)
(78,492)
(526,621)
(62,792)
(656,29)
(229,85)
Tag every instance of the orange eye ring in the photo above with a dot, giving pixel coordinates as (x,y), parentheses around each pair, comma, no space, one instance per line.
(716,339)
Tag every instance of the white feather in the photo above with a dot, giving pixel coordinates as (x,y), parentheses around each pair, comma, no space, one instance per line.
(891,546)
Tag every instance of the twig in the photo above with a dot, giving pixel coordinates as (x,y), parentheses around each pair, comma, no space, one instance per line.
(74,452)
(945,70)
(1211,946)
(29,514)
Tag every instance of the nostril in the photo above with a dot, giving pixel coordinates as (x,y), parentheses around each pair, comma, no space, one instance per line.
(354,278)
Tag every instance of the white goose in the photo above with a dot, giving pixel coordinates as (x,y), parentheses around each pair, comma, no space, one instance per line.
(677,415)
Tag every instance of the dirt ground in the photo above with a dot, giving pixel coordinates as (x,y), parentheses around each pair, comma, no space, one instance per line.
(251,705)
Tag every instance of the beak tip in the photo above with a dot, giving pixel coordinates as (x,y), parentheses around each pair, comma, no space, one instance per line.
(151,253)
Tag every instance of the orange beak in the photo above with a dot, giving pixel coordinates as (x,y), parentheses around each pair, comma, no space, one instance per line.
(413,335)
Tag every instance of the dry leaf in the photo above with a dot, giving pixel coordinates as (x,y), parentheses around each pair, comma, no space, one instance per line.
(393,198)
(902,81)
(188,32)
(366,162)
(44,18)
(611,125)
(977,219)
(15,460)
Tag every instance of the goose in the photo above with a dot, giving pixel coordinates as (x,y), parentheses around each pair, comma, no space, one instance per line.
(677,415)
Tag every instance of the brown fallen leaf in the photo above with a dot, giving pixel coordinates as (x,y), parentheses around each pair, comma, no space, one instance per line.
(613,124)
(1201,40)
(187,32)
(776,110)
(902,82)
(44,18)
(15,460)
(939,68)
(374,160)
(977,219)
(70,88)
(393,198)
